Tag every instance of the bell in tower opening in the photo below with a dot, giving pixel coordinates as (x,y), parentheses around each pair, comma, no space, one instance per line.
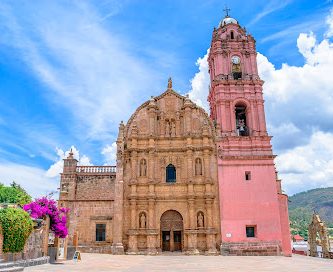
(236,67)
(241,126)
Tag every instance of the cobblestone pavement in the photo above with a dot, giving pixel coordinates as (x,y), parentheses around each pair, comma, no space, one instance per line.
(180,263)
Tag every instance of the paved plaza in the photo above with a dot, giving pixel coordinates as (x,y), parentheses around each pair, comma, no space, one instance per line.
(179,263)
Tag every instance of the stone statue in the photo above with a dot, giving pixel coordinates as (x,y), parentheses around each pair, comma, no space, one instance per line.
(167,128)
(143,168)
(200,220)
(142,221)
(198,167)
(173,129)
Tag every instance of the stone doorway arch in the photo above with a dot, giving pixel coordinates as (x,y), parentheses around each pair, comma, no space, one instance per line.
(317,229)
(172,231)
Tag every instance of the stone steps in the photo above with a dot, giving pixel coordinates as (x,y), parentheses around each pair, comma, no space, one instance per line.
(19,265)
(10,267)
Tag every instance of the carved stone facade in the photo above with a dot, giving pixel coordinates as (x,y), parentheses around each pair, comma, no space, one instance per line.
(163,194)
(159,212)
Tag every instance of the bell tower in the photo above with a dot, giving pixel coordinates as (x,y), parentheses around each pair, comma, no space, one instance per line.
(253,209)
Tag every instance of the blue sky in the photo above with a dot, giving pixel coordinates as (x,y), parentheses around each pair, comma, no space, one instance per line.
(70,71)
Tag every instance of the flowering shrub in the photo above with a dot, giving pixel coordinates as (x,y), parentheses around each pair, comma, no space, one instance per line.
(16,228)
(44,206)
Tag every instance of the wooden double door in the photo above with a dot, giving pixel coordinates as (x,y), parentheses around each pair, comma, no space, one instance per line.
(171,231)
(171,240)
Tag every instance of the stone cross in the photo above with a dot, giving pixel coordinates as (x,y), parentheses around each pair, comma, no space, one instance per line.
(169,83)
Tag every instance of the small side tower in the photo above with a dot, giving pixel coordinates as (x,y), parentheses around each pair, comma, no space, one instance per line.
(253,209)
(68,178)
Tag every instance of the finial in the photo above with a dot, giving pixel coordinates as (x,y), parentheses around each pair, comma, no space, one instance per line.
(226,10)
(169,83)
(71,154)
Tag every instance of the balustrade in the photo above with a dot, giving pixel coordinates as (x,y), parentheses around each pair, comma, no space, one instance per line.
(96,169)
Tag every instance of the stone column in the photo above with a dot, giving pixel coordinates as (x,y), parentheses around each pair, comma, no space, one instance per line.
(151,165)
(262,121)
(209,213)
(210,235)
(75,239)
(232,119)
(172,245)
(177,123)
(222,115)
(134,165)
(132,238)
(192,235)
(254,121)
(117,244)
(151,235)
(118,204)
(188,121)
(206,162)
(189,154)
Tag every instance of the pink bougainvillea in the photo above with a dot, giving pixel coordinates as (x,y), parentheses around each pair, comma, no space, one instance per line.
(44,206)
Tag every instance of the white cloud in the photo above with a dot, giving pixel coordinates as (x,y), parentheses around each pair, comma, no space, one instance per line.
(299,102)
(89,68)
(329,21)
(285,128)
(56,168)
(308,166)
(200,83)
(32,179)
(110,154)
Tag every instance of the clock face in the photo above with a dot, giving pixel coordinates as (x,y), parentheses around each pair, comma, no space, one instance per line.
(235,60)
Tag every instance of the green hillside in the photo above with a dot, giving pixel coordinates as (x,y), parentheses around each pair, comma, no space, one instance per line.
(302,206)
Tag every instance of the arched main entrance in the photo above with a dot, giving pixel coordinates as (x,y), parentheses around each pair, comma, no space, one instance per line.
(171,231)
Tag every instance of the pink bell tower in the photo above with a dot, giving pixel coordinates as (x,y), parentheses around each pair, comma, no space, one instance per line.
(253,209)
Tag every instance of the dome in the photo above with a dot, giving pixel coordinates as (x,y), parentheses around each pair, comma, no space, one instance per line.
(228,20)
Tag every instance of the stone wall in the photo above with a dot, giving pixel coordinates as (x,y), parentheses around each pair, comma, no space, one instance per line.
(255,248)
(94,187)
(35,247)
(83,217)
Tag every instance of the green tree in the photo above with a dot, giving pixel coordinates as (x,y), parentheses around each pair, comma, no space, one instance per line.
(16,228)
(14,194)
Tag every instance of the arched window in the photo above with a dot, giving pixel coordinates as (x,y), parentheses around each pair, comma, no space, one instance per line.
(232,35)
(170,173)
(241,122)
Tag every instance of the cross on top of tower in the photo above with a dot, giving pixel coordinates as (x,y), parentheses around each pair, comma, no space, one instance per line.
(226,10)
(169,83)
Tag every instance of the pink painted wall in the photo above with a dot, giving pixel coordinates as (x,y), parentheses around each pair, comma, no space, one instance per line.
(253,202)
(284,219)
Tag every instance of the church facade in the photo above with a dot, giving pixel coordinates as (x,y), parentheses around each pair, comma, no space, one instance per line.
(185,181)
